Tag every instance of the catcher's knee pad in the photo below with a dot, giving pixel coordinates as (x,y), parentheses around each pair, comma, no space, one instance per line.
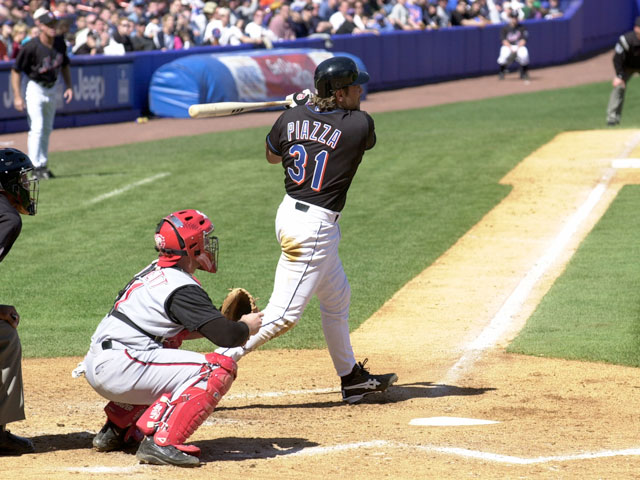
(171,422)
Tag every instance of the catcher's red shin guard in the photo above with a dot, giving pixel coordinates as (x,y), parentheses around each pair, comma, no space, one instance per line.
(151,418)
(175,421)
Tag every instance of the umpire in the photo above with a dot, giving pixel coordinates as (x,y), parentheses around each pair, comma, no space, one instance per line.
(18,195)
(626,62)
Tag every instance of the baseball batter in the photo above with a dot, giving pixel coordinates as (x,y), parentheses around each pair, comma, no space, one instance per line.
(41,59)
(160,395)
(320,146)
(513,38)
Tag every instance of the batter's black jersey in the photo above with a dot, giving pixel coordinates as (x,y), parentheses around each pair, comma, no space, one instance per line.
(627,53)
(512,34)
(41,63)
(321,152)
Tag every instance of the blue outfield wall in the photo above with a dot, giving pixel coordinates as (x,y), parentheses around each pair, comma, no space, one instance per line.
(115,89)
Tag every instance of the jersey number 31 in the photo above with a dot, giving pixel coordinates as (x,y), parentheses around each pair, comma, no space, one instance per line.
(298,172)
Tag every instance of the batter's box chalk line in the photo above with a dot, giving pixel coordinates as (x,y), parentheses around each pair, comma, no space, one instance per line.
(467,453)
(379,445)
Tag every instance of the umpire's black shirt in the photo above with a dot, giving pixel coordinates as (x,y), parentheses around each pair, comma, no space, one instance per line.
(627,53)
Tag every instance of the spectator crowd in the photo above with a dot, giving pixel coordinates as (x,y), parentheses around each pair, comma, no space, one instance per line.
(115,27)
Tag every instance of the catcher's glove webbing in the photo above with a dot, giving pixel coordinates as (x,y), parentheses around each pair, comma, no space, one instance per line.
(237,303)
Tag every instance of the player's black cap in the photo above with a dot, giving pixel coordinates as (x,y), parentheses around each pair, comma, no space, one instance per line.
(637,22)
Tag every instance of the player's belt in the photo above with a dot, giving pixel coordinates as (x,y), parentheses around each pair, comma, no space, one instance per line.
(46,84)
(107,345)
(302,207)
(314,210)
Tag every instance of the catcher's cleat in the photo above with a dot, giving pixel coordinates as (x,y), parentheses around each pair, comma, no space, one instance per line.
(150,452)
(11,444)
(360,383)
(111,438)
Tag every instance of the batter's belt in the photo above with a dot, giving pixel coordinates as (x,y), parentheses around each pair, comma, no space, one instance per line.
(311,210)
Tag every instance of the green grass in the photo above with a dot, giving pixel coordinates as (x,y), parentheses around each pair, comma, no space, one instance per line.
(593,310)
(433,174)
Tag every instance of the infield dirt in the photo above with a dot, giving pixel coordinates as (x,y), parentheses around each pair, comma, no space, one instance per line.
(283,417)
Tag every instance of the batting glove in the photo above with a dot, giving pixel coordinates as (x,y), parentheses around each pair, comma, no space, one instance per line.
(298,98)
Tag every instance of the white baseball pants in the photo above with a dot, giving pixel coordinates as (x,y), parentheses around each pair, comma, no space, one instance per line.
(41,111)
(139,377)
(509,54)
(309,265)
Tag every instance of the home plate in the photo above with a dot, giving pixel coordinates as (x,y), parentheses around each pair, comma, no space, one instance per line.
(449,421)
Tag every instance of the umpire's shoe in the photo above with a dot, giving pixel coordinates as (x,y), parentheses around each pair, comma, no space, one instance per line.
(150,452)
(360,383)
(11,444)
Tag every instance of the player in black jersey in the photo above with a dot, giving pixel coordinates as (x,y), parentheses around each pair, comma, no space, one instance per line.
(41,60)
(513,47)
(320,146)
(626,62)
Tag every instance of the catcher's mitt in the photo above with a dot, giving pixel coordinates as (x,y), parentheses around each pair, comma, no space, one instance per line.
(237,303)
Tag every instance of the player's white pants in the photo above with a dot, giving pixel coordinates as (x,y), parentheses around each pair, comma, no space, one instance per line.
(309,265)
(509,54)
(139,377)
(41,111)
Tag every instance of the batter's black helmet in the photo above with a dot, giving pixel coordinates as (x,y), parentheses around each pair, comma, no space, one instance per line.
(22,191)
(336,73)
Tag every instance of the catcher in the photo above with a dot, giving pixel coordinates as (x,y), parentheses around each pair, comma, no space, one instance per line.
(160,395)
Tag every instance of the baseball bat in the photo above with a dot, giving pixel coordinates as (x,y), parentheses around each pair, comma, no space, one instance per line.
(222,109)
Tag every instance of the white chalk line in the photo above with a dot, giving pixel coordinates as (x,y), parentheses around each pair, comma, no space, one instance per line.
(126,188)
(280,394)
(463,452)
(502,320)
(383,444)
(512,306)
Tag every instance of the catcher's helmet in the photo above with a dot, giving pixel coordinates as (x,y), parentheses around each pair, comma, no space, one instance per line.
(336,73)
(187,233)
(21,190)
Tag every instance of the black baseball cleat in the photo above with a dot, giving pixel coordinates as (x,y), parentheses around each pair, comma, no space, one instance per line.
(154,454)
(111,438)
(11,444)
(612,123)
(360,383)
